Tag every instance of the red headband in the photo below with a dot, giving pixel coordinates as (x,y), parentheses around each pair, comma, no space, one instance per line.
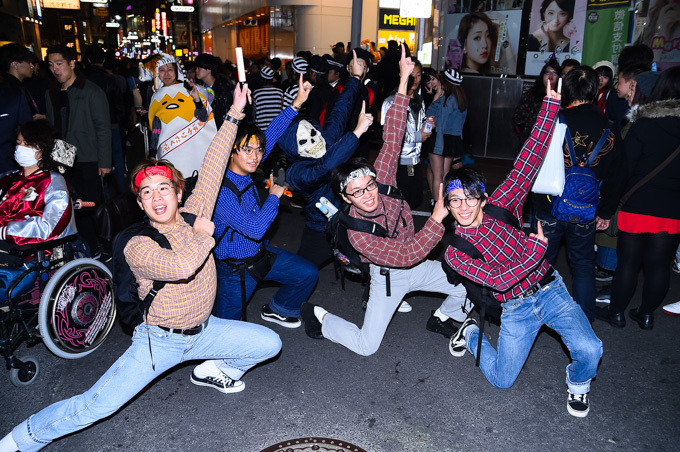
(152,171)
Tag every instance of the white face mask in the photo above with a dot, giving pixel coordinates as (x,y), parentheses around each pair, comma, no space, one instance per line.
(310,141)
(25,156)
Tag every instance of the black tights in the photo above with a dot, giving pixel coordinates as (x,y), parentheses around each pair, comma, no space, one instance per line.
(652,252)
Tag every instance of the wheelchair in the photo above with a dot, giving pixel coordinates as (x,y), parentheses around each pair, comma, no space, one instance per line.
(59,297)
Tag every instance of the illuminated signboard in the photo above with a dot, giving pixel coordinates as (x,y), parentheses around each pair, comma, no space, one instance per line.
(164,22)
(391,20)
(61,4)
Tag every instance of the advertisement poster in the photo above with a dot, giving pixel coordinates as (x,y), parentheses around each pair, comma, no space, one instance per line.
(482,42)
(606,30)
(556,26)
(662,32)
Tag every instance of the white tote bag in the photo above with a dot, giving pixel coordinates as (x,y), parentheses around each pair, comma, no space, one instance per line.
(550,178)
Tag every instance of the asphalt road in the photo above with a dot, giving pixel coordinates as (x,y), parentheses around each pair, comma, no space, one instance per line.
(412,395)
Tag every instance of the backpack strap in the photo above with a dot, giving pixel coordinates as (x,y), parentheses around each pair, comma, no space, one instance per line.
(570,143)
(596,150)
(229,184)
(502,214)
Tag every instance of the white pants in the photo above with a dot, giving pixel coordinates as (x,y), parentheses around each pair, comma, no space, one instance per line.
(427,276)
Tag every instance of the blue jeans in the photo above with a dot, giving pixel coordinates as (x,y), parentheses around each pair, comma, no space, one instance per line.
(580,241)
(606,258)
(521,320)
(298,277)
(236,347)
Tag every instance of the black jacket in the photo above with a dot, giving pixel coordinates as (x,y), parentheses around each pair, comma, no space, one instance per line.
(586,125)
(653,136)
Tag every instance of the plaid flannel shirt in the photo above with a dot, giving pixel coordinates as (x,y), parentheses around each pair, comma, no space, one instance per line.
(189,266)
(406,248)
(513,262)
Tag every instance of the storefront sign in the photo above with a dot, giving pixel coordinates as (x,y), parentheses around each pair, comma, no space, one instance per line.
(391,20)
(61,4)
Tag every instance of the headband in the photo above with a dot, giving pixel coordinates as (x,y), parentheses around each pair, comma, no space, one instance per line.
(356,174)
(158,170)
(456,184)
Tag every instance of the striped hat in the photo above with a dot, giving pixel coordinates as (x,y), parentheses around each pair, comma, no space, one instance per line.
(266,73)
(453,76)
(300,65)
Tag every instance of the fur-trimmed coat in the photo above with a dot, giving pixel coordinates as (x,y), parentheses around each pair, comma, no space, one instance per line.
(653,136)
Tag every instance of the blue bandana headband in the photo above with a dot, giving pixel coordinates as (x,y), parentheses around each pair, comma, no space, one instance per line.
(456,184)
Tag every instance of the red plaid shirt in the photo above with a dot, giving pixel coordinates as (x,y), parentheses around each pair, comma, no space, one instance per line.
(405,248)
(513,262)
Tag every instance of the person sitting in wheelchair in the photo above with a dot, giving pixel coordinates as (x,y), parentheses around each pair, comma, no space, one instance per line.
(35,203)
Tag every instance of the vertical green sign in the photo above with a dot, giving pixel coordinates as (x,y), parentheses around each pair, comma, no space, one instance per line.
(606,30)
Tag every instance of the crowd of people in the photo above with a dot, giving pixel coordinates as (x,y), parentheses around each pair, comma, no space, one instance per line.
(211,140)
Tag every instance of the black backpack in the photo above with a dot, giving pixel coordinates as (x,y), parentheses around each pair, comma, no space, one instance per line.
(479,294)
(131,310)
(346,258)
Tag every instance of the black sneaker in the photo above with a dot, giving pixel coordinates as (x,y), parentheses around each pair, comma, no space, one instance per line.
(271,316)
(578,405)
(457,345)
(221,382)
(603,275)
(603,295)
(312,324)
(445,328)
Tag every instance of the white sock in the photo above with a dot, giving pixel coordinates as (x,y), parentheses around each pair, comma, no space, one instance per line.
(440,316)
(7,444)
(207,369)
(320,312)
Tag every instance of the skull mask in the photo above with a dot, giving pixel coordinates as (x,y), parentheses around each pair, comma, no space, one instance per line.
(309,140)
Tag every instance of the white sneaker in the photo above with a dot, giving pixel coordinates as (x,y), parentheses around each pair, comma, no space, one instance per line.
(404,307)
(672,309)
(222,382)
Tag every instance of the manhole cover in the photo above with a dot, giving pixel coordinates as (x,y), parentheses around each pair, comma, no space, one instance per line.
(313,444)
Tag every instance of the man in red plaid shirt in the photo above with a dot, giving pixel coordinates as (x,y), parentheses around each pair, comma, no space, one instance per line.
(514,269)
(397,260)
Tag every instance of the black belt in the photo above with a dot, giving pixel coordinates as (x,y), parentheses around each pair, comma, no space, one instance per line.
(547,279)
(235,264)
(185,332)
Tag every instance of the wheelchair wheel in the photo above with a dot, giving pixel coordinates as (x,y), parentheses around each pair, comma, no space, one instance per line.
(22,378)
(77,310)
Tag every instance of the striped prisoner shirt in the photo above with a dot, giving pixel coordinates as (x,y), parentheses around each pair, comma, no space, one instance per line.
(267,104)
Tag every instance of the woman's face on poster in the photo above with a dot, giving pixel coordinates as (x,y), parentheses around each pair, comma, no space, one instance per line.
(555,17)
(477,45)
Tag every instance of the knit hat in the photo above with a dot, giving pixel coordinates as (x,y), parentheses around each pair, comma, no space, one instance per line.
(646,81)
(300,65)
(453,76)
(364,55)
(318,64)
(605,63)
(266,73)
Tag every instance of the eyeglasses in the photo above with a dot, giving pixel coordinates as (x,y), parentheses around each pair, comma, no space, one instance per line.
(372,185)
(455,203)
(164,189)
(248,150)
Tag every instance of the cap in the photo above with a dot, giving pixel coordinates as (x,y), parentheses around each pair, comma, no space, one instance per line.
(453,76)
(266,73)
(300,65)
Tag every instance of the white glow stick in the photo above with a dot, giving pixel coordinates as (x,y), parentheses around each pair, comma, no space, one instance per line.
(239,64)
(559,85)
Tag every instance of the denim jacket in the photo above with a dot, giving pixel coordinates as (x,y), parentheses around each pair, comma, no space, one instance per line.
(449,118)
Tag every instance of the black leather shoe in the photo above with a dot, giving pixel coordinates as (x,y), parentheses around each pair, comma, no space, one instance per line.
(615,319)
(646,322)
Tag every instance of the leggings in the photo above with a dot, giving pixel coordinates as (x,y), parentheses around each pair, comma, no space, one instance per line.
(652,252)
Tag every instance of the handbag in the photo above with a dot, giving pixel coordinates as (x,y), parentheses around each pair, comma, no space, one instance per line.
(613,228)
(550,177)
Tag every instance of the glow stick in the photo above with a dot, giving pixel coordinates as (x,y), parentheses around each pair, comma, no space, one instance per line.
(239,64)
(559,85)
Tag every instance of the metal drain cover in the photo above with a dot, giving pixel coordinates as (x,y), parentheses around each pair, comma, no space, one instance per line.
(313,444)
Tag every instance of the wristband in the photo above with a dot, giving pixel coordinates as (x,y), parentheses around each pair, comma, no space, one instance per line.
(232,119)
(292,105)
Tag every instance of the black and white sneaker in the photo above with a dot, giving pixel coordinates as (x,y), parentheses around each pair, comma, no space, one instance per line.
(271,316)
(457,345)
(578,405)
(603,295)
(603,275)
(222,382)
(445,328)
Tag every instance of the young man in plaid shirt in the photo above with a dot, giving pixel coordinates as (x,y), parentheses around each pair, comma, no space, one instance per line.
(178,326)
(401,253)
(514,269)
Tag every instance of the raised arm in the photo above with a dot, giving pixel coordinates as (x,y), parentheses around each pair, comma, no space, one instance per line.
(283,119)
(514,190)
(395,125)
(215,161)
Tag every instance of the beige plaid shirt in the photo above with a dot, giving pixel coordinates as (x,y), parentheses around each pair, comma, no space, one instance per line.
(189,268)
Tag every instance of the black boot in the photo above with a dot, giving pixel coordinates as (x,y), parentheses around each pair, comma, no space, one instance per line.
(646,322)
(615,319)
